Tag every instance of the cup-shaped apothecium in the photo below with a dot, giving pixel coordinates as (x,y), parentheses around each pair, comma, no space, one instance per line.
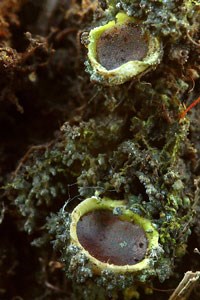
(121,50)
(111,236)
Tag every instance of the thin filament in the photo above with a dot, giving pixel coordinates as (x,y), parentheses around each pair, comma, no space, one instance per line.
(194,103)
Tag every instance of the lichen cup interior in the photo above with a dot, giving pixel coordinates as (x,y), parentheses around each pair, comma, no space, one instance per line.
(121,50)
(111,236)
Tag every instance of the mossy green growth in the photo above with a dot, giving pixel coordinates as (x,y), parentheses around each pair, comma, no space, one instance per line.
(120,142)
(82,267)
(133,153)
(171,19)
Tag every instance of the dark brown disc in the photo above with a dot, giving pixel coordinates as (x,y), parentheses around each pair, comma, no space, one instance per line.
(111,240)
(120,44)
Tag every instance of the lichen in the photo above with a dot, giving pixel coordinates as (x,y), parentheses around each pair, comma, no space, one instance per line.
(166,18)
(128,143)
(144,226)
(121,50)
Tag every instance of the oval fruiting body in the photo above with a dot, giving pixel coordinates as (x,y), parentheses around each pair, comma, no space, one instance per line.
(119,243)
(121,50)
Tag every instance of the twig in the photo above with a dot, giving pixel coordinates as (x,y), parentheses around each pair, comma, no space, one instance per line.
(2,212)
(27,155)
(192,41)
(185,287)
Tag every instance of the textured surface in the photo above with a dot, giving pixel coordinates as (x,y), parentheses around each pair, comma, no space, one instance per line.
(111,240)
(121,44)
(122,142)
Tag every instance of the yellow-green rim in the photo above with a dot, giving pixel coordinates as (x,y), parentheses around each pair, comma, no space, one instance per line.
(131,68)
(95,203)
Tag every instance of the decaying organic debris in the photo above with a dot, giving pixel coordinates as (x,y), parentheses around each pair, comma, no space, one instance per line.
(125,160)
